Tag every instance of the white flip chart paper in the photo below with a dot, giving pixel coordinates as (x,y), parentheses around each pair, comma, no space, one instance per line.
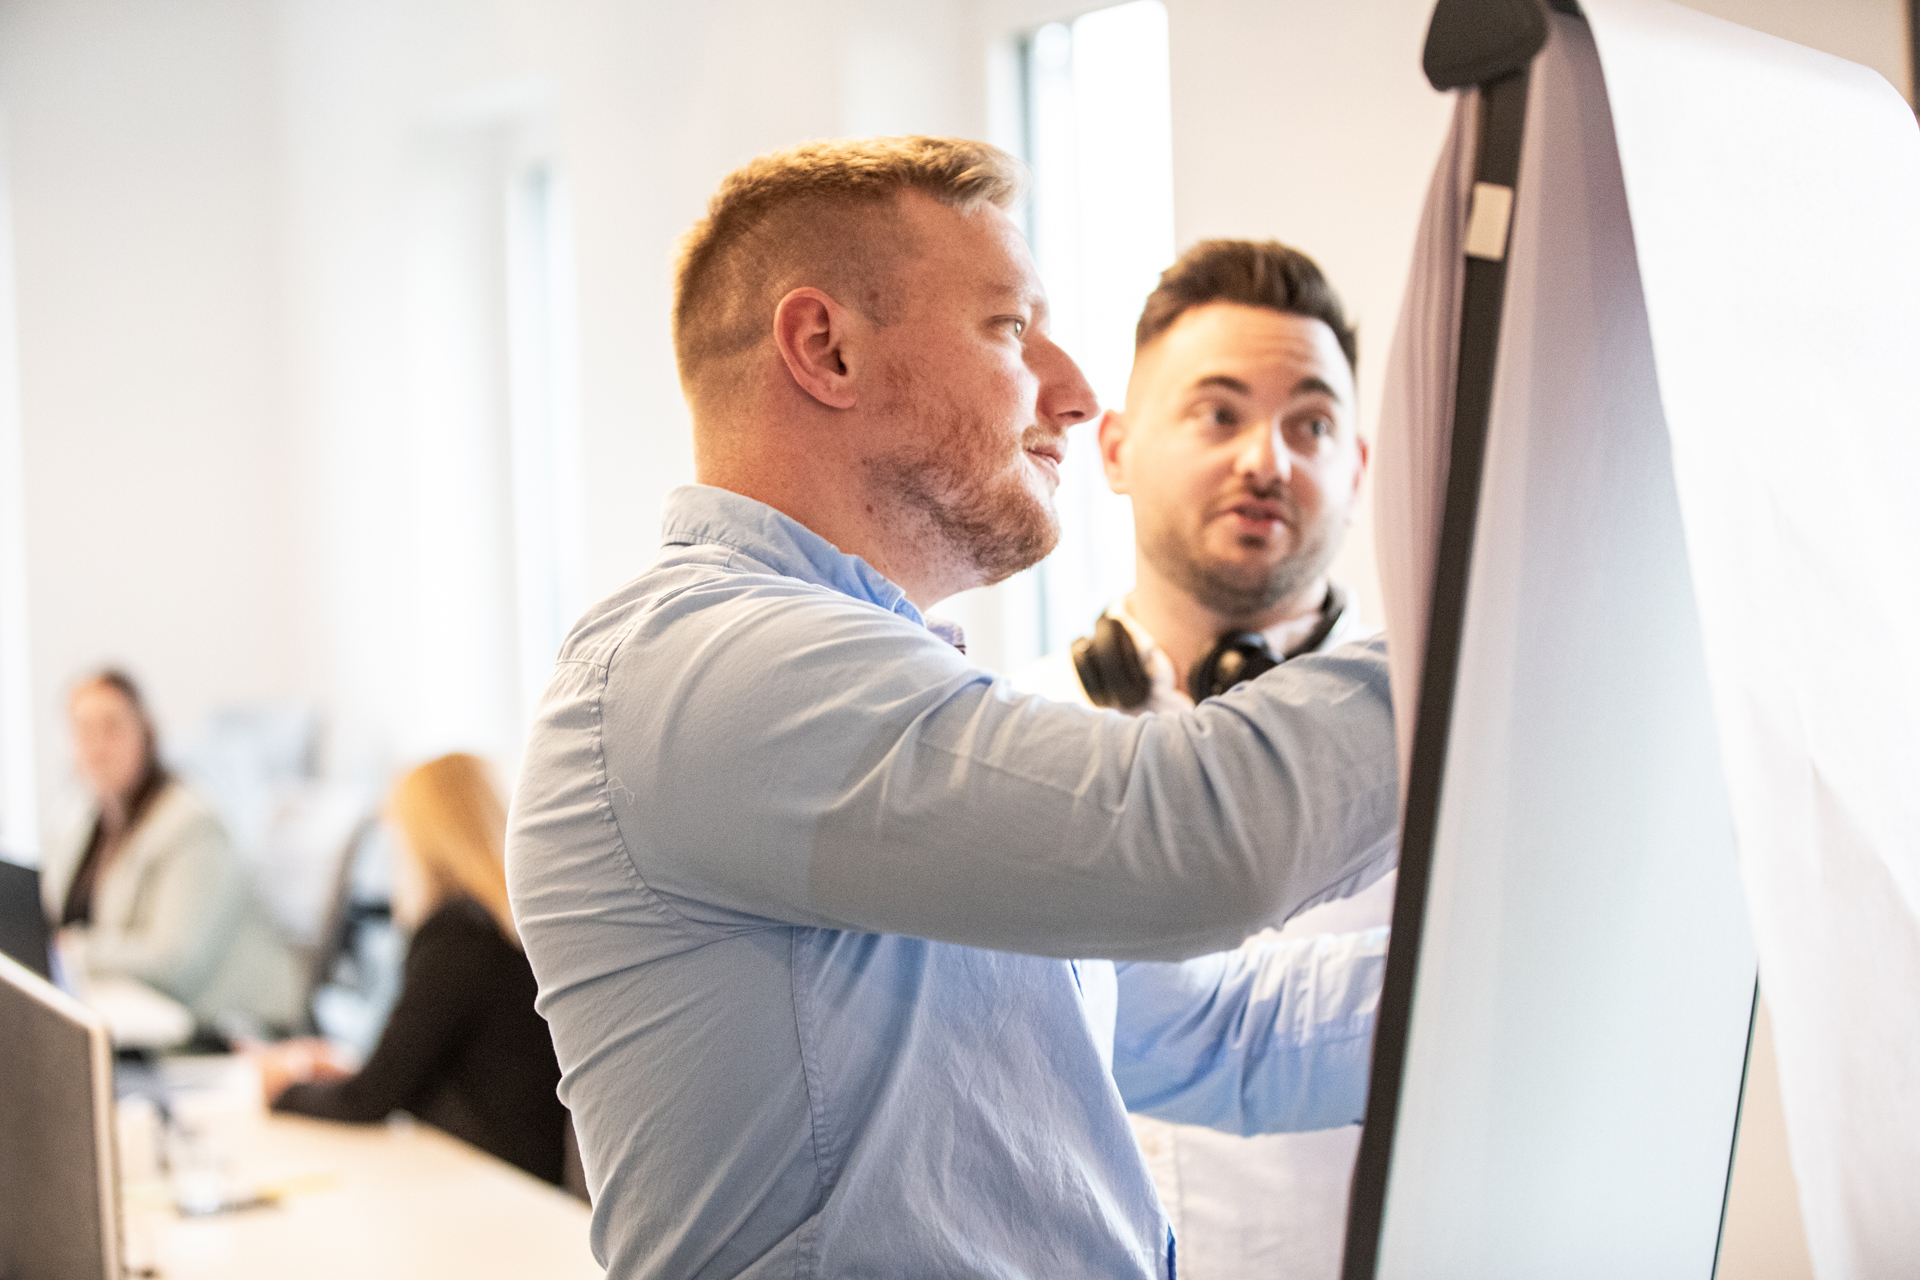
(1775,199)
(1585,977)
(1692,644)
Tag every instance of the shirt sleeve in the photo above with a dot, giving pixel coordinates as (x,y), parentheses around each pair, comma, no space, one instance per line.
(431,1019)
(788,755)
(1273,1038)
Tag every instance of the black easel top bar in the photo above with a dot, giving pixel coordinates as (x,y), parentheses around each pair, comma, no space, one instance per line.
(1474,42)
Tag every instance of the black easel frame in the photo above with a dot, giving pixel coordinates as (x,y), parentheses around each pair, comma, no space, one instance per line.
(1913,54)
(1488,44)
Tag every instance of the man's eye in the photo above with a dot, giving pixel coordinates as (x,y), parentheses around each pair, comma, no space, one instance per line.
(1221,415)
(1321,427)
(1018,326)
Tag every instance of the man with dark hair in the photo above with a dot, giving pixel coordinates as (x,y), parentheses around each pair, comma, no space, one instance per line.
(1239,451)
(789,869)
(1250,273)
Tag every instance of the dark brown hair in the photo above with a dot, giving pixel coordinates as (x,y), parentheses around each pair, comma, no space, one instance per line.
(1253,273)
(78,908)
(152,773)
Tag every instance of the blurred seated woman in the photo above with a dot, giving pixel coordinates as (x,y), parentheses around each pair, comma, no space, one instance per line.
(150,882)
(463,1048)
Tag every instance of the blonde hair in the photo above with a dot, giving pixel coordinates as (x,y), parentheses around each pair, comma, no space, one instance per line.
(456,831)
(816,214)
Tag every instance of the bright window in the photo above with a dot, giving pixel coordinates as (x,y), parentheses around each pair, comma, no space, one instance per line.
(1098,136)
(1100,141)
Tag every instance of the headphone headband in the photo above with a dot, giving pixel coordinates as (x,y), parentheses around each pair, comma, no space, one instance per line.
(1110,670)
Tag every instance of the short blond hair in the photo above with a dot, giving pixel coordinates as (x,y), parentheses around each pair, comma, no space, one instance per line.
(456,831)
(815,214)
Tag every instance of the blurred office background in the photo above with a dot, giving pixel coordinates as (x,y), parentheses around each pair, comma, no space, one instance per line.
(334,366)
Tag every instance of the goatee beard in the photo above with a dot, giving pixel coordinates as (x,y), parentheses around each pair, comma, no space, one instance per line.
(1239,597)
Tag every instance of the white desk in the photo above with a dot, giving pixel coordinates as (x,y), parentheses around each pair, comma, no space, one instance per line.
(359,1201)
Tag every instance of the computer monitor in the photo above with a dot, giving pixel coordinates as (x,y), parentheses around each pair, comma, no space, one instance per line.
(59,1178)
(23,925)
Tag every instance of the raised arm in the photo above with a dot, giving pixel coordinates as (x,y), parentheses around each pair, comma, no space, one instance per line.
(789,755)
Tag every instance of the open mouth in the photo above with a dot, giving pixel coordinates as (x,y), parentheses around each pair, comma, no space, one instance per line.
(1257,510)
(1257,516)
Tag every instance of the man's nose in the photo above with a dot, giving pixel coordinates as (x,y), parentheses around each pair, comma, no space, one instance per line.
(1264,459)
(1065,395)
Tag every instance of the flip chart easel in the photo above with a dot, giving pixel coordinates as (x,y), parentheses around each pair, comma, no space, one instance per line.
(1626,779)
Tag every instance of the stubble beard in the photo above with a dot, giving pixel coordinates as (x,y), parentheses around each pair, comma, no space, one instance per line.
(958,485)
(1238,593)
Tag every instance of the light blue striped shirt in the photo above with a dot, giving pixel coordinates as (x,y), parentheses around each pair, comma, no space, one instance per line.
(789,868)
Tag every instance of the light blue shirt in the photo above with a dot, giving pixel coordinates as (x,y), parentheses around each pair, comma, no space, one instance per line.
(788,868)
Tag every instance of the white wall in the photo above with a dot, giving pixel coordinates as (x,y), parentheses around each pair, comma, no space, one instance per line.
(1871,32)
(644,109)
(142,146)
(19,799)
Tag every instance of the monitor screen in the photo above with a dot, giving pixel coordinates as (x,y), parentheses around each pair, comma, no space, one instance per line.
(23,925)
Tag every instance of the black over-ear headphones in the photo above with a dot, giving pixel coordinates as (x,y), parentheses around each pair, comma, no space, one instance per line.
(1110,669)
(1109,666)
(1235,657)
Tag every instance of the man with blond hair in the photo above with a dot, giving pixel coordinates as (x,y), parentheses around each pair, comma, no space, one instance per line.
(789,868)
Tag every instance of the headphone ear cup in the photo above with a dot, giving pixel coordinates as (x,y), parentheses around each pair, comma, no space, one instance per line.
(1108,664)
(1236,657)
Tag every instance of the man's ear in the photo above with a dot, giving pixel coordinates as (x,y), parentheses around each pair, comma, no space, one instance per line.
(812,330)
(1359,475)
(1113,441)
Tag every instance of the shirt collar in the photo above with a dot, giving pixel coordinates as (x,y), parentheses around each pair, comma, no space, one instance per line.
(1281,637)
(699,513)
